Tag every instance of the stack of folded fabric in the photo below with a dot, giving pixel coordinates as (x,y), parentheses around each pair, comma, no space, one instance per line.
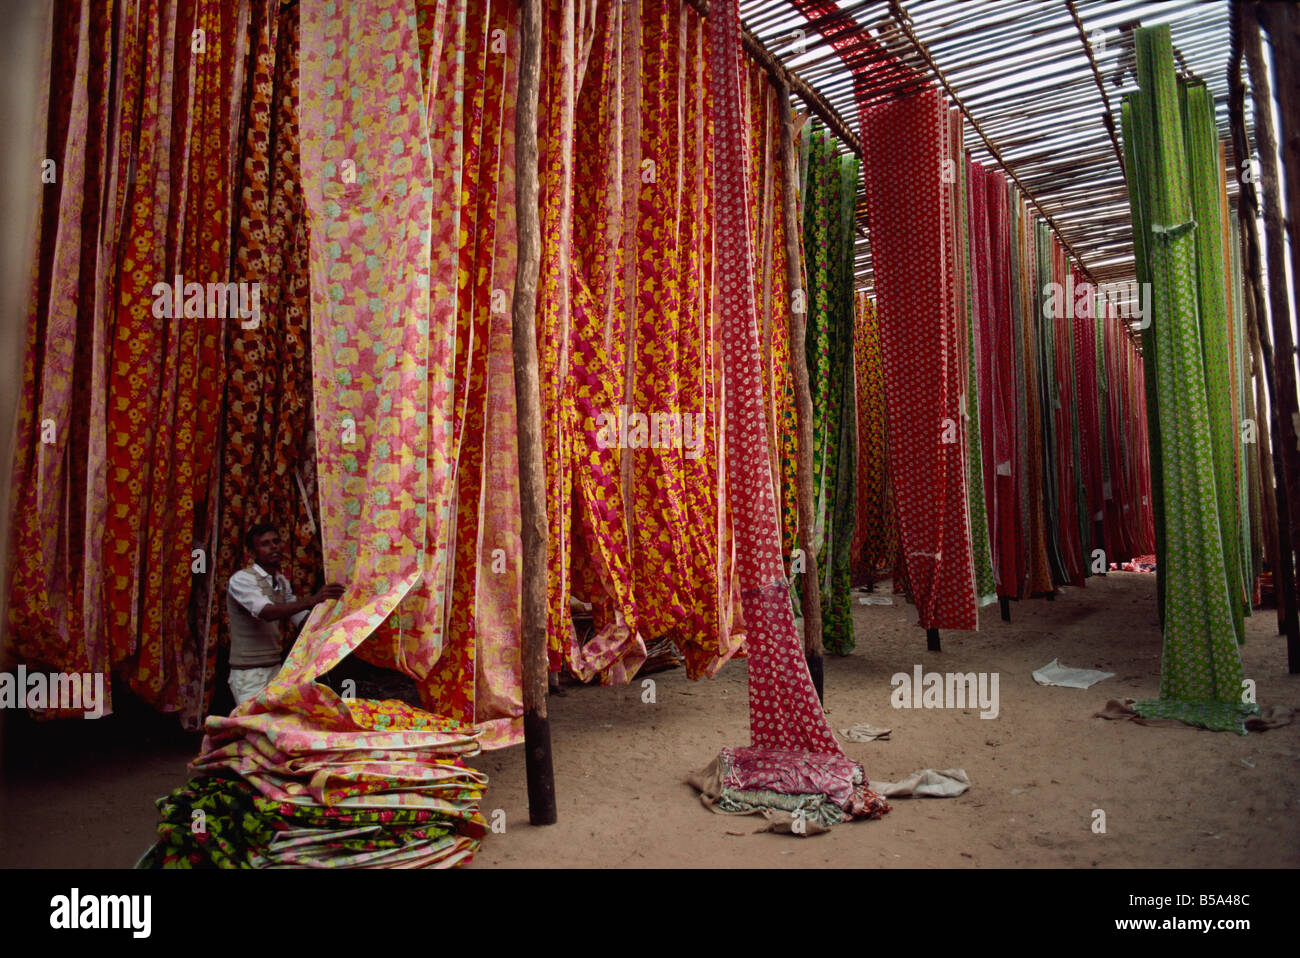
(824,788)
(660,656)
(397,795)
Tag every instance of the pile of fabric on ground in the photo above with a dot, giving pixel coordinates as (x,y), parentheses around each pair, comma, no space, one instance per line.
(1146,563)
(815,789)
(795,774)
(396,795)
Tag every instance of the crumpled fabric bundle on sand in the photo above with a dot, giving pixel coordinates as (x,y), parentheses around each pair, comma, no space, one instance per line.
(928,783)
(1270,716)
(395,796)
(826,787)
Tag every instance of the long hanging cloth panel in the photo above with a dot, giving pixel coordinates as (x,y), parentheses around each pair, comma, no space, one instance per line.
(874,542)
(123,381)
(1000,406)
(55,573)
(1048,269)
(384,349)
(1029,365)
(906,141)
(963,252)
(828,232)
(681,574)
(784,710)
(1201,668)
(268,471)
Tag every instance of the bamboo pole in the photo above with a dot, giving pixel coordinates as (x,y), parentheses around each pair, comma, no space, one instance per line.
(1268,472)
(1285,412)
(812,598)
(1256,309)
(532,477)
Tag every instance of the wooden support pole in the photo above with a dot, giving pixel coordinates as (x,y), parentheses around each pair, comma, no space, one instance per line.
(1004,604)
(1283,25)
(1284,410)
(932,640)
(1276,514)
(812,593)
(532,476)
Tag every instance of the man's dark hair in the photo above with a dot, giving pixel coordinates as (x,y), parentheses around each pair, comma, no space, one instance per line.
(260,529)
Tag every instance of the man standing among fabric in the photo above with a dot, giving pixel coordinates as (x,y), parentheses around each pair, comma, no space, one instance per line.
(257,598)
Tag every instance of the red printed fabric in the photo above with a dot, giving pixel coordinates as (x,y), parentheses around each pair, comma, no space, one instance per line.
(791,773)
(1067,439)
(906,140)
(674,548)
(1033,494)
(586,479)
(1003,462)
(783,708)
(476,679)
(1085,365)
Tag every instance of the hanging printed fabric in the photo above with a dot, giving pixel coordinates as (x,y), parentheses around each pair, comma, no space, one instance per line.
(267,463)
(579,383)
(1172,148)
(125,367)
(54,605)
(873,542)
(784,710)
(962,244)
(828,223)
(906,139)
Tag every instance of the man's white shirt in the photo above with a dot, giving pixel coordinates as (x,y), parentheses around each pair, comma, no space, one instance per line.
(251,588)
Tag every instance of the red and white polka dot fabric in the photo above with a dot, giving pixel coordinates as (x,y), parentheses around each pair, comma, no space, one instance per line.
(907,184)
(783,708)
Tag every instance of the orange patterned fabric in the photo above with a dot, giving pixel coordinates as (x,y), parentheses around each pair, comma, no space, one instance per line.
(627,355)
(129,384)
(267,453)
(874,541)
(55,580)
(476,679)
(576,466)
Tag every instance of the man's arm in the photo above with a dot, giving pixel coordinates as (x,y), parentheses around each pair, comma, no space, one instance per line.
(282,610)
(297,618)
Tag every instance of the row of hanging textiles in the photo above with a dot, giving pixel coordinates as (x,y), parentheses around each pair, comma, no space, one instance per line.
(386,449)
(1007,389)
(1199,405)
(1042,412)
(119,421)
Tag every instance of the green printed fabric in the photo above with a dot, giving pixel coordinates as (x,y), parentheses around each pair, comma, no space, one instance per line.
(1169,127)
(828,250)
(986,589)
(1047,392)
(224,822)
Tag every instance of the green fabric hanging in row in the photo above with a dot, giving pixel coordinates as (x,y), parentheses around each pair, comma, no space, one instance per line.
(986,588)
(831,192)
(1169,129)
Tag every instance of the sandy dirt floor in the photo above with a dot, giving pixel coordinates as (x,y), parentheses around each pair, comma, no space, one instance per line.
(81,795)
